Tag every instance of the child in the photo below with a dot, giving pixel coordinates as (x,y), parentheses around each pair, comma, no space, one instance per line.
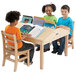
(26,20)
(63,22)
(48,9)
(12,17)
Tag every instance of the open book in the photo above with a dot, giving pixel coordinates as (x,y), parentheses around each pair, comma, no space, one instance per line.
(34,30)
(26,28)
(37,31)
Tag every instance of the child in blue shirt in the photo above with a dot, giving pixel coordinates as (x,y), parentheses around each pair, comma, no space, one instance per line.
(63,22)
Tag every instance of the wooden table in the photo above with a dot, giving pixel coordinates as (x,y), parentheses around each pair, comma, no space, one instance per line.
(48,36)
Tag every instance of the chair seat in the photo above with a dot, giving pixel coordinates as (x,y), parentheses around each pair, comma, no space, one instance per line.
(12,51)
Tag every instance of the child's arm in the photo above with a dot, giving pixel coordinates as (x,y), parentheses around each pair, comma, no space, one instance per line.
(64,27)
(52,22)
(48,21)
(23,37)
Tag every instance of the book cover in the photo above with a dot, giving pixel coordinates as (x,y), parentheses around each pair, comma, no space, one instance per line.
(26,29)
(38,21)
(50,25)
(27,19)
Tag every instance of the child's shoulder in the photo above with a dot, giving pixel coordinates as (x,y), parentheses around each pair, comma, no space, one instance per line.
(70,18)
(13,28)
(45,16)
(60,18)
(16,28)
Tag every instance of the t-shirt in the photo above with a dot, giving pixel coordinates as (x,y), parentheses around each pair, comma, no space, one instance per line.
(51,18)
(66,22)
(13,30)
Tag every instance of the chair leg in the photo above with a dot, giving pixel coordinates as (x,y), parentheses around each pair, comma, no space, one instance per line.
(4,59)
(16,62)
(28,58)
(72,44)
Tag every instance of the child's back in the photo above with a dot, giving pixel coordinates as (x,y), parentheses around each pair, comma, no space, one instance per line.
(14,30)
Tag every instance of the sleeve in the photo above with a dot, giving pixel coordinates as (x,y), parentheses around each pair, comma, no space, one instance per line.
(57,23)
(6,31)
(18,34)
(55,20)
(70,24)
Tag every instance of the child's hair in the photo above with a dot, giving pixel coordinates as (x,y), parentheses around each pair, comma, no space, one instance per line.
(12,16)
(51,5)
(27,19)
(66,7)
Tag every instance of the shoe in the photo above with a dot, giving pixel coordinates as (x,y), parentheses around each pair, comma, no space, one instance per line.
(30,63)
(59,53)
(45,50)
(21,56)
(38,48)
(54,51)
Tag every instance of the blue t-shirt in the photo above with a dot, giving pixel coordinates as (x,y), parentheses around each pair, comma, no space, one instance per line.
(66,22)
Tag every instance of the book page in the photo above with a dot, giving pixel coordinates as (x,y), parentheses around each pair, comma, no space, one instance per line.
(36,31)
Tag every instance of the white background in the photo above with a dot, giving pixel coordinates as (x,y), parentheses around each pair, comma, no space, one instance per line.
(54,65)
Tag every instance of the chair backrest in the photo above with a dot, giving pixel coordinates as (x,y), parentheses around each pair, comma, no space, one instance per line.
(6,40)
(73,29)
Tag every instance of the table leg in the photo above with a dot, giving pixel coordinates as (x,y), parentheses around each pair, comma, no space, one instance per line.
(66,45)
(41,56)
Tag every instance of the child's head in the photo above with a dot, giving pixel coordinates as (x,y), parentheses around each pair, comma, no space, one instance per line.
(26,20)
(65,9)
(48,9)
(13,17)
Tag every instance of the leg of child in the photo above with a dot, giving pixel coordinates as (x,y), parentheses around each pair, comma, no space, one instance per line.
(62,45)
(55,46)
(38,47)
(27,46)
(46,47)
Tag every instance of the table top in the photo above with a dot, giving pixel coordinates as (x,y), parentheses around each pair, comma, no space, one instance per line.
(49,35)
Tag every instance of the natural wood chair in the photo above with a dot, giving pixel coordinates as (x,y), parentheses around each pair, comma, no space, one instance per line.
(9,50)
(70,41)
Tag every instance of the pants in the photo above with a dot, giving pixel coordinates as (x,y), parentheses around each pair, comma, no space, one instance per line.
(62,44)
(27,46)
(46,46)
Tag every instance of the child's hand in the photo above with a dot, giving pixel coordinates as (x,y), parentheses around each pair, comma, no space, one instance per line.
(28,34)
(57,27)
(61,26)
(48,21)
(23,36)
(64,27)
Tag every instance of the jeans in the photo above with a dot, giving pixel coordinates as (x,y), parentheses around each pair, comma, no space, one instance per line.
(27,46)
(46,46)
(62,44)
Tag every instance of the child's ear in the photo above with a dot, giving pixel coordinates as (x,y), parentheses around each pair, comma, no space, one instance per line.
(69,12)
(52,10)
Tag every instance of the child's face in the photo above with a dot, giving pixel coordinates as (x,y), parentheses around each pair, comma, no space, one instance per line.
(48,10)
(64,12)
(26,21)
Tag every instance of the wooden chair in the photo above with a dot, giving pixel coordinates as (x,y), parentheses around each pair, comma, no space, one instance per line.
(71,41)
(9,50)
